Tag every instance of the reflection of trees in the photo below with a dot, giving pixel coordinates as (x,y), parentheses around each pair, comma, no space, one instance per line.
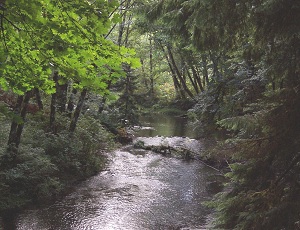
(179,125)
(165,125)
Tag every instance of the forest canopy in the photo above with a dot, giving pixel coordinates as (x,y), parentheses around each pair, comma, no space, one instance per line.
(233,66)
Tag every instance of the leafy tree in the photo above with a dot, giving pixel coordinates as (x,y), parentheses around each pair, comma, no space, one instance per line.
(45,47)
(125,87)
(63,39)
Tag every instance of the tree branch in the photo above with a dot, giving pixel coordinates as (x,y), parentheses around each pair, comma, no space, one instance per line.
(292,164)
(10,22)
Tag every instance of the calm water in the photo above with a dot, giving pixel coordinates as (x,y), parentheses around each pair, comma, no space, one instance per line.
(138,190)
(167,126)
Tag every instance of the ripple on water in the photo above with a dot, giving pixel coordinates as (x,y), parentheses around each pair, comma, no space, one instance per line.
(135,192)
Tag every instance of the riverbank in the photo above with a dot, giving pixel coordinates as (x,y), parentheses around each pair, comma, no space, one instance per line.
(47,165)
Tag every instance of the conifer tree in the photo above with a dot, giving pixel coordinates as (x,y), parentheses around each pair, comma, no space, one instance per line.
(250,55)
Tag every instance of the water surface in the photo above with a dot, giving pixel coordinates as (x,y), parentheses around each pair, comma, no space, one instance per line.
(163,125)
(138,190)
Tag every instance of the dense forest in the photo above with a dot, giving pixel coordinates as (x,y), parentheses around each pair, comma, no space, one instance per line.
(74,74)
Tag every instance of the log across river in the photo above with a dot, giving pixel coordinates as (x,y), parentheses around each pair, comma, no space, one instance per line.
(138,190)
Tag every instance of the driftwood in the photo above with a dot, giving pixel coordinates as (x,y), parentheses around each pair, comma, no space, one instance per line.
(166,150)
(178,152)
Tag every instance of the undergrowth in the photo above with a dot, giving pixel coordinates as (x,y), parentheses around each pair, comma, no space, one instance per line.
(47,164)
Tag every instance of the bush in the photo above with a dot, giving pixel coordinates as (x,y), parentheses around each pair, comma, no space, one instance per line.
(46,164)
(24,177)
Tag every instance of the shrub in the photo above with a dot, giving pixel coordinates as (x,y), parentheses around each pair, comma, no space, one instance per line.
(46,164)
(24,177)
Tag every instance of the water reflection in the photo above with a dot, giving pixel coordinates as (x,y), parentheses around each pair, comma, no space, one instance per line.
(139,190)
(136,192)
(166,126)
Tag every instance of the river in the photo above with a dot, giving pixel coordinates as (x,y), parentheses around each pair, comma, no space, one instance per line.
(138,190)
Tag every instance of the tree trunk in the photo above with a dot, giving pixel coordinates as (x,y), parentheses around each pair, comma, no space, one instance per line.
(197,78)
(17,127)
(38,99)
(23,116)
(151,69)
(77,111)
(183,83)
(14,124)
(192,81)
(61,94)
(53,104)
(71,102)
(128,30)
(122,24)
(204,69)
(145,80)
(128,91)
(178,89)
(214,60)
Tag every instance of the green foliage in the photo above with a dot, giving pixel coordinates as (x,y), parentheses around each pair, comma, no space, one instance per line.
(40,38)
(246,54)
(265,180)
(253,94)
(55,35)
(77,154)
(24,177)
(46,164)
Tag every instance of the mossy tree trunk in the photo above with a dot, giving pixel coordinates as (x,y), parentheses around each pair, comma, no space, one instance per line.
(23,116)
(38,98)
(53,104)
(77,111)
(18,121)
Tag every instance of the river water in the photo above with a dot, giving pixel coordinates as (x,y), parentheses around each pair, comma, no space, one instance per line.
(138,190)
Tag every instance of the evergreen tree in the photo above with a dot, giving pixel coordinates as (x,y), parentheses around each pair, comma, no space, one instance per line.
(249,52)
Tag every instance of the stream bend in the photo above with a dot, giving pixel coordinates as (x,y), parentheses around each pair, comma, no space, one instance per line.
(139,190)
